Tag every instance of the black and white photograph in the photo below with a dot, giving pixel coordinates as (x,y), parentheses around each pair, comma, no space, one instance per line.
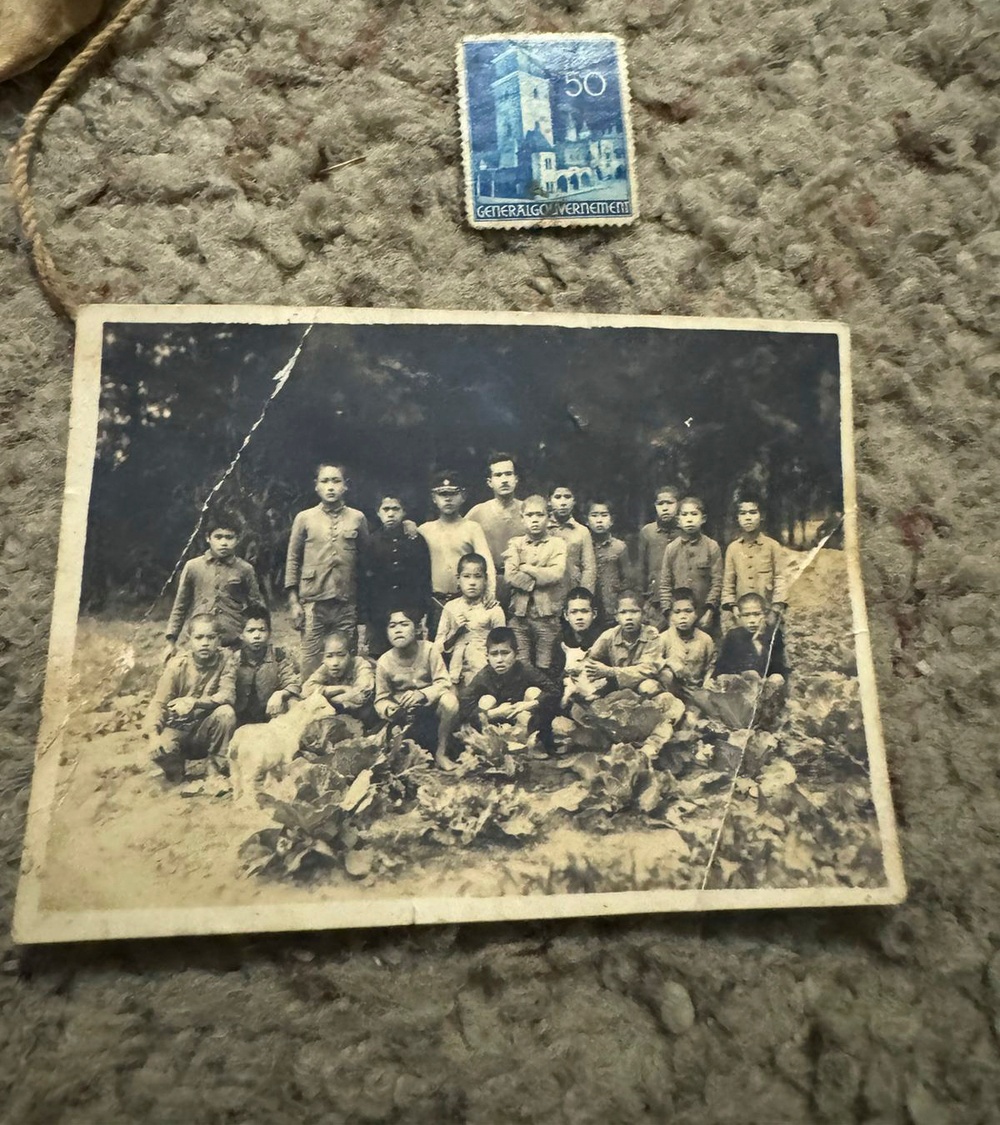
(380,617)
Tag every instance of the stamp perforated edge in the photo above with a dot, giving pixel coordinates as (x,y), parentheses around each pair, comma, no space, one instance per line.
(626,107)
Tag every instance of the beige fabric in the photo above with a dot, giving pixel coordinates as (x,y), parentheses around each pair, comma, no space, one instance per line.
(30,30)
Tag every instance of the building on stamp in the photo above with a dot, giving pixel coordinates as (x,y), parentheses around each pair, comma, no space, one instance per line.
(530,161)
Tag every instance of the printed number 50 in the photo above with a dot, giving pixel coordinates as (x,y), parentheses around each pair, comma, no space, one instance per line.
(592,83)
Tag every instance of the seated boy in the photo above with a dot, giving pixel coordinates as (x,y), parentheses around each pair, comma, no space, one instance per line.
(630,655)
(535,570)
(690,651)
(508,691)
(755,563)
(218,583)
(412,687)
(266,678)
(191,713)
(614,572)
(579,632)
(345,681)
(754,645)
(466,621)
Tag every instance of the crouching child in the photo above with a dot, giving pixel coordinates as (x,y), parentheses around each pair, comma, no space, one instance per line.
(265,675)
(579,632)
(689,651)
(191,715)
(413,689)
(345,681)
(508,692)
(754,645)
(632,655)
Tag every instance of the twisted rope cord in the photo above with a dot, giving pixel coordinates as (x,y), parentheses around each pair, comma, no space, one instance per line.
(60,291)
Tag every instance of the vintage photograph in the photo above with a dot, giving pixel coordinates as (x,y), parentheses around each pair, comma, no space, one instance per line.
(546,130)
(376,616)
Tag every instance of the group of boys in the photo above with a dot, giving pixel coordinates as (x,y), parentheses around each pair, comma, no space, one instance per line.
(506,616)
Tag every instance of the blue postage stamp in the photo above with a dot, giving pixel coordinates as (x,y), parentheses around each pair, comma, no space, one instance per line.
(547,136)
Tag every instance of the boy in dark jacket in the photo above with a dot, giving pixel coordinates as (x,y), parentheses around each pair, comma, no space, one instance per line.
(508,692)
(753,646)
(397,572)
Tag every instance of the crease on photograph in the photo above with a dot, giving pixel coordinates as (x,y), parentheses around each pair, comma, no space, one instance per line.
(125,659)
(752,725)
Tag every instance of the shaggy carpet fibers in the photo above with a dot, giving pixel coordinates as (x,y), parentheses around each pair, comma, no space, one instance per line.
(834,158)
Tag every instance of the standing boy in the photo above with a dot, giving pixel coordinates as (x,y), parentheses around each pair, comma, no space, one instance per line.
(693,561)
(321,571)
(397,572)
(500,518)
(449,537)
(412,687)
(653,540)
(535,570)
(581,565)
(690,651)
(218,583)
(466,622)
(755,563)
(191,713)
(613,569)
(265,676)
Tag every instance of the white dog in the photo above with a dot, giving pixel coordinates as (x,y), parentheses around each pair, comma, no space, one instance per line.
(259,749)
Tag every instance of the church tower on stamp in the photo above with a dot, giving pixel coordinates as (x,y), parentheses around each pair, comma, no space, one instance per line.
(522,96)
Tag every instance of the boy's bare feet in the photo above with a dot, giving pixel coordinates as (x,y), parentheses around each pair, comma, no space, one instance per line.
(442,761)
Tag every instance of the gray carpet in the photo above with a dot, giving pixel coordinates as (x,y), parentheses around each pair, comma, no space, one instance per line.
(827,159)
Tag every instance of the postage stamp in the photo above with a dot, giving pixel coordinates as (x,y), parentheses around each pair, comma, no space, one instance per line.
(546,130)
(380,617)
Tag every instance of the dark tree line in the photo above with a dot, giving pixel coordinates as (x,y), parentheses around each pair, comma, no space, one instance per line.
(611,412)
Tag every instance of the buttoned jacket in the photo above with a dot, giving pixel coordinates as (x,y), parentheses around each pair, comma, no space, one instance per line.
(260,679)
(696,564)
(323,551)
(754,565)
(222,588)
(545,589)
(581,563)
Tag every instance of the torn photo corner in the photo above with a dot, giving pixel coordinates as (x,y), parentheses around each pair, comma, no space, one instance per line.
(384,617)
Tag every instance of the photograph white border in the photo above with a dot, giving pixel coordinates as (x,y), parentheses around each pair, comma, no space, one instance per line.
(32,924)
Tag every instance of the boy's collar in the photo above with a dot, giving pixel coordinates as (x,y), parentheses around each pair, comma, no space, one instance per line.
(333,509)
(210,557)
